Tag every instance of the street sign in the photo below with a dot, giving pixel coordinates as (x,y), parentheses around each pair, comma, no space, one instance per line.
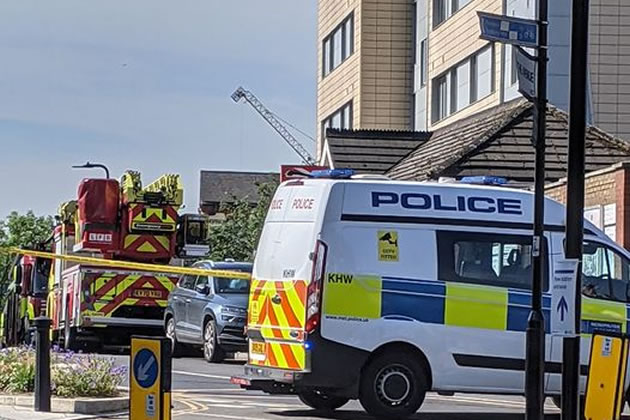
(565,277)
(150,381)
(526,70)
(145,368)
(508,29)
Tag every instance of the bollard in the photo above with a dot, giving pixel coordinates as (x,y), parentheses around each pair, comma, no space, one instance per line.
(42,364)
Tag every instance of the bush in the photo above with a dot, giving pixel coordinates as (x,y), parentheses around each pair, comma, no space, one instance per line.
(72,375)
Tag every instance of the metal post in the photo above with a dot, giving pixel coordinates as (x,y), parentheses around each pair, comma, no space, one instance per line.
(535,333)
(42,364)
(575,200)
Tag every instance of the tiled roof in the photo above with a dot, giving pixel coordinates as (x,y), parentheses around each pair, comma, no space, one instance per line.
(224,186)
(371,151)
(498,142)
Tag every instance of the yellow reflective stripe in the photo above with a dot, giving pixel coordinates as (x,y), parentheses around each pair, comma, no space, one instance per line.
(129,240)
(604,311)
(164,241)
(476,306)
(277,352)
(366,294)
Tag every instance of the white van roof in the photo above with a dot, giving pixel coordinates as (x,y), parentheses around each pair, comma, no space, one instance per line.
(411,202)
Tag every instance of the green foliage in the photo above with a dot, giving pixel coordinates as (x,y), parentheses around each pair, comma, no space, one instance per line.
(21,230)
(72,375)
(237,236)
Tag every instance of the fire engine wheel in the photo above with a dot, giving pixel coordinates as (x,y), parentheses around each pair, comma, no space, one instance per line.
(319,400)
(211,350)
(393,386)
(176,347)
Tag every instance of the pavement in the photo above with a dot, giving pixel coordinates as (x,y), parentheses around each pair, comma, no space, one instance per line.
(203,391)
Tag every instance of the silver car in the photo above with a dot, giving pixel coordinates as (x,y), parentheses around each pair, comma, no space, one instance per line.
(210,312)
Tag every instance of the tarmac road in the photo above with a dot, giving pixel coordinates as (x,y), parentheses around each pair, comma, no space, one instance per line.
(203,391)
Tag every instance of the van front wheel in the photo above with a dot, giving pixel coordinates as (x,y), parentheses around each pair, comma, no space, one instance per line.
(393,386)
(320,400)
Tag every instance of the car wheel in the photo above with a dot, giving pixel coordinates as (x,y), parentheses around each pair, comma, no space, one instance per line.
(176,347)
(211,350)
(393,386)
(319,400)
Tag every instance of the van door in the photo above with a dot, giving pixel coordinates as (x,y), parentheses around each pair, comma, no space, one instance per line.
(605,292)
(281,275)
(488,298)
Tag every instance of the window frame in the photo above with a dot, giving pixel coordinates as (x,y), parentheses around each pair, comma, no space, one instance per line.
(327,122)
(446,239)
(450,75)
(342,29)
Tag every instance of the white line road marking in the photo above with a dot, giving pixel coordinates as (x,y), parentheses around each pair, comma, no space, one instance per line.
(210,390)
(224,416)
(201,375)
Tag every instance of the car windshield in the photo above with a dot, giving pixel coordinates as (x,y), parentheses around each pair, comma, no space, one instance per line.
(229,285)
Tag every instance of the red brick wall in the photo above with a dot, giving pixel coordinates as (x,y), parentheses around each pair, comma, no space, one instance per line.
(611,186)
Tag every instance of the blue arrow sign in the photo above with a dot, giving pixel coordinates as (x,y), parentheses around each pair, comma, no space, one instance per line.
(145,368)
(563,307)
(508,29)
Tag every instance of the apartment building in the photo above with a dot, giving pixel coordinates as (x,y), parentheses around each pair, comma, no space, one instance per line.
(366,64)
(420,65)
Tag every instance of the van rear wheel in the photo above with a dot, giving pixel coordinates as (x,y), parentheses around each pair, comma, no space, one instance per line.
(393,386)
(320,400)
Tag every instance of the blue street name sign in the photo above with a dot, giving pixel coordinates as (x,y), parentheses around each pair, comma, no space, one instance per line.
(508,30)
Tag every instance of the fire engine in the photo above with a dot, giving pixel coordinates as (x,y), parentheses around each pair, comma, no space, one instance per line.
(114,220)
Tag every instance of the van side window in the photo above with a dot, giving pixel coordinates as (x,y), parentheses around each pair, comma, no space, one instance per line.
(605,273)
(490,259)
(187,281)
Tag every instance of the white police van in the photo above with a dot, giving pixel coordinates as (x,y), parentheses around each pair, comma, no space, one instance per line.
(383,290)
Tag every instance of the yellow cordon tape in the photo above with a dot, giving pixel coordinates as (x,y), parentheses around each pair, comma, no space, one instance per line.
(99,262)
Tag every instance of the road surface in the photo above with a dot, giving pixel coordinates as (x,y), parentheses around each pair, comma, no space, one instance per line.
(203,391)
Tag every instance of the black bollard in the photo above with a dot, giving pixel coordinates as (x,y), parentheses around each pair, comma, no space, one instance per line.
(42,364)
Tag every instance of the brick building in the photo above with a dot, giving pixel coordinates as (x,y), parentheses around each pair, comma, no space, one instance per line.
(606,200)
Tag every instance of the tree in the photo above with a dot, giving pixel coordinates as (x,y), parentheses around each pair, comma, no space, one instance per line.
(237,236)
(18,230)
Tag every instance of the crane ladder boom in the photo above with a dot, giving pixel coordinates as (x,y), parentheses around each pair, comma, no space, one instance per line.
(241,93)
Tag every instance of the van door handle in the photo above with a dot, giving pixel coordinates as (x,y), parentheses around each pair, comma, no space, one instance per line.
(187,300)
(276,299)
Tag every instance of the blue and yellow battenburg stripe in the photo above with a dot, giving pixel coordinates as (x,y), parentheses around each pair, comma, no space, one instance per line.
(454,304)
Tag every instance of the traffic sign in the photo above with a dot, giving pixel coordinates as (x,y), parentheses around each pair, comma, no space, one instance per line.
(508,29)
(565,277)
(150,382)
(526,70)
(145,368)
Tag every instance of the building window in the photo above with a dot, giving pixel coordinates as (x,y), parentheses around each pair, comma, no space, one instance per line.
(463,84)
(488,259)
(443,9)
(338,46)
(423,62)
(340,119)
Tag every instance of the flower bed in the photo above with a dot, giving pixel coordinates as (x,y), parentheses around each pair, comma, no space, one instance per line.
(71,374)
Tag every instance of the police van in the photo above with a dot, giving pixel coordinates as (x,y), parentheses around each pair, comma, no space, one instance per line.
(380,291)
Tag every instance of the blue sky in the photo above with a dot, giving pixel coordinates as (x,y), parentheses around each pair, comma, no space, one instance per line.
(146,85)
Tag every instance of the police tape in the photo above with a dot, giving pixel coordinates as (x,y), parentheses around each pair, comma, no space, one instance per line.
(117,264)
